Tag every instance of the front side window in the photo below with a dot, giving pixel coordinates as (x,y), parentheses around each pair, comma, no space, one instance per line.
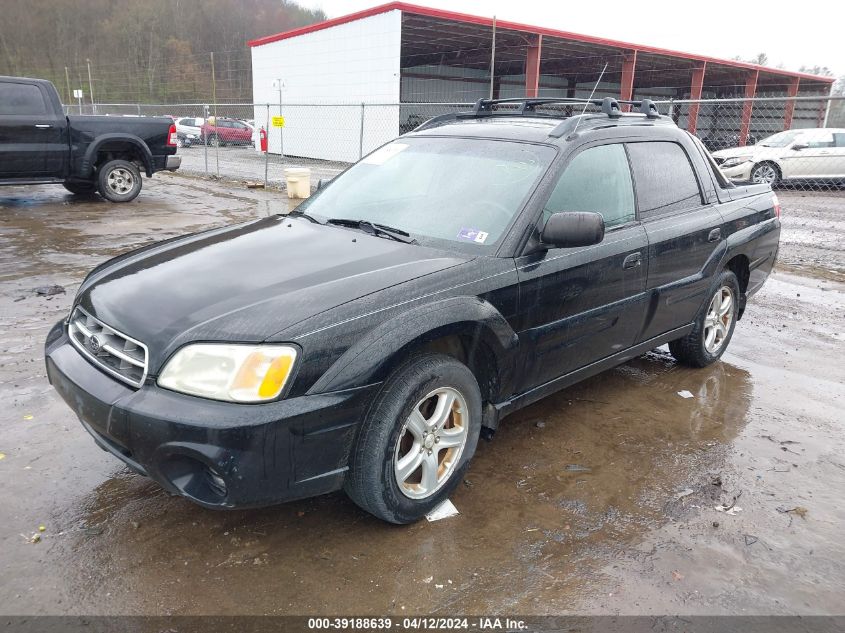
(21,99)
(447,191)
(598,180)
(664,178)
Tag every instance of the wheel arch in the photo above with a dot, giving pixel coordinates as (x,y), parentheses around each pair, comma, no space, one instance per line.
(466,328)
(116,145)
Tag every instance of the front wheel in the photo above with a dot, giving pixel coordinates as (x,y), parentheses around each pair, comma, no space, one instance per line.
(119,181)
(417,440)
(713,327)
(765,173)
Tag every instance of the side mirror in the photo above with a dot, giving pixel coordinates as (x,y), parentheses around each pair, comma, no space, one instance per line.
(573,228)
(319,184)
(799,146)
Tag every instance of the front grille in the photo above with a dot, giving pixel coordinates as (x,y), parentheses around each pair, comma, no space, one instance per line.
(117,354)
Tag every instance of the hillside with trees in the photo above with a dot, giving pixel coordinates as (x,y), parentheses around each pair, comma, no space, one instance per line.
(154,51)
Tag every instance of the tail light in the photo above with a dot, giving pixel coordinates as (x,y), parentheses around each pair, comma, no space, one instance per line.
(171,136)
(776,205)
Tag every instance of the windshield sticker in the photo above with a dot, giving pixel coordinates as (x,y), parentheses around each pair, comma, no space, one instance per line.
(473,235)
(381,156)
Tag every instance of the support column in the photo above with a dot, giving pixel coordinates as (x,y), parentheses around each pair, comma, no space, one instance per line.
(695,91)
(626,90)
(532,66)
(792,91)
(748,106)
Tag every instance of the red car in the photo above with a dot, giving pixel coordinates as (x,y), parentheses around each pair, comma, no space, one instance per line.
(226,132)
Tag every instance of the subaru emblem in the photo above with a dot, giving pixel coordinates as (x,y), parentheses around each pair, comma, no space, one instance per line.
(94,344)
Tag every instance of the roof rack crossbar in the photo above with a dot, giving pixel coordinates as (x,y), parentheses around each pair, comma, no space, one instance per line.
(608,105)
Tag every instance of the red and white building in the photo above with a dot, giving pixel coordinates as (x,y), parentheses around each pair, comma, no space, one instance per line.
(401,53)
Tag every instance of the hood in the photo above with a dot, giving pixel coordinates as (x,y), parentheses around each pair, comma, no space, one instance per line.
(247,282)
(757,151)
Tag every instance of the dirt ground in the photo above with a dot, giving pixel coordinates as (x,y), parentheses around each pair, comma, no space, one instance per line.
(599,500)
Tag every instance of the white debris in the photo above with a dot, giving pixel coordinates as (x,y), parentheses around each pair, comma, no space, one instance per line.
(731,511)
(443,511)
(428,580)
(686,394)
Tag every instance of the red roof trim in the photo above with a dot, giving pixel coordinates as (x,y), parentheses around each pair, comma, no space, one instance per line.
(515,26)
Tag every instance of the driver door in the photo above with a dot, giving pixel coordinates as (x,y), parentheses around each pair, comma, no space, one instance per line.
(580,305)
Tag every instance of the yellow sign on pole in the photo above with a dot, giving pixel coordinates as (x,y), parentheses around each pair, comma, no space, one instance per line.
(278,121)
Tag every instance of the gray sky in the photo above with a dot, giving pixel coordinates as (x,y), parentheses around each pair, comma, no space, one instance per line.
(792,34)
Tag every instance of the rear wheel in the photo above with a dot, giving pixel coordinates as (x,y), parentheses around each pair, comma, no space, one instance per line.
(765,173)
(81,188)
(417,440)
(713,327)
(119,181)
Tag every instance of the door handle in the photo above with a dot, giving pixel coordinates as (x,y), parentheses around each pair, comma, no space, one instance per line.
(715,235)
(632,261)
(43,126)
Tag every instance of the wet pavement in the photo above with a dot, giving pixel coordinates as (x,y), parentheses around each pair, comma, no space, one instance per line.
(600,499)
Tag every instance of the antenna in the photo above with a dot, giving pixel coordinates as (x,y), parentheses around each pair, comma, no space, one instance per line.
(586,103)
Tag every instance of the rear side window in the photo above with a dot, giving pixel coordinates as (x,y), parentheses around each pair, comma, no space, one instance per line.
(664,177)
(839,139)
(599,180)
(21,99)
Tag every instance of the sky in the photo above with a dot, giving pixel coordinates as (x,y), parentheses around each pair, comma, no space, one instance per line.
(793,34)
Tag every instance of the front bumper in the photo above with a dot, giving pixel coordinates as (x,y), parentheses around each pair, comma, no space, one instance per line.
(173,163)
(218,454)
(739,173)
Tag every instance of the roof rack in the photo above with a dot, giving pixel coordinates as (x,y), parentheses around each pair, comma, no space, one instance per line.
(608,105)
(486,108)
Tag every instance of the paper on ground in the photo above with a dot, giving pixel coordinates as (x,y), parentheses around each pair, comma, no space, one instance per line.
(443,511)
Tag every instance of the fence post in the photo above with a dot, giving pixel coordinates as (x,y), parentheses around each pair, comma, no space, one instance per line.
(267,135)
(361,135)
(204,139)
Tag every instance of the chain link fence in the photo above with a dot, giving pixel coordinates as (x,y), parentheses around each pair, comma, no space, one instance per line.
(794,143)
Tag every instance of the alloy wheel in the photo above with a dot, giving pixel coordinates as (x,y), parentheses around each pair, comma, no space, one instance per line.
(431,442)
(717,321)
(120,181)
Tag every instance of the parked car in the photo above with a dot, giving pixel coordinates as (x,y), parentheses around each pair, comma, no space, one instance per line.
(39,144)
(808,154)
(724,139)
(226,132)
(189,130)
(448,279)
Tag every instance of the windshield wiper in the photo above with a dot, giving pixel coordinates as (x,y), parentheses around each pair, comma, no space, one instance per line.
(302,214)
(379,230)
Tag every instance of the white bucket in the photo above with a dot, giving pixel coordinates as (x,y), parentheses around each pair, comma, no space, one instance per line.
(298,182)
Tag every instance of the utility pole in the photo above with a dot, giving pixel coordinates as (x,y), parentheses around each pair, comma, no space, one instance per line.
(214,99)
(67,81)
(91,87)
(493,58)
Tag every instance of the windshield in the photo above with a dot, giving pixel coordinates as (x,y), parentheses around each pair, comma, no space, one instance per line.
(781,139)
(445,190)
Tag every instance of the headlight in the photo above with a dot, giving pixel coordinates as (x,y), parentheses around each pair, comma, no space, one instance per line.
(736,160)
(237,373)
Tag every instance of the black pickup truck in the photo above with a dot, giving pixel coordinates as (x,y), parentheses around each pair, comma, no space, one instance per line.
(39,144)
(451,277)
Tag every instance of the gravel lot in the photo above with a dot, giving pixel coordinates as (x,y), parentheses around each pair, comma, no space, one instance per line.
(598,500)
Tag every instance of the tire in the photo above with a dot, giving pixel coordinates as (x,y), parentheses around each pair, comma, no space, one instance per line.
(399,422)
(81,188)
(215,141)
(119,181)
(765,173)
(698,349)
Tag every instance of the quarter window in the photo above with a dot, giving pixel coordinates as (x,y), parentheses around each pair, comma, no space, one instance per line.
(598,180)
(664,177)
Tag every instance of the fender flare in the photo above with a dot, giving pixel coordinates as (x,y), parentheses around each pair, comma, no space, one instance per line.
(91,153)
(370,357)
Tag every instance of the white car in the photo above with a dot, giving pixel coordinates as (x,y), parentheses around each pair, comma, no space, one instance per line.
(808,154)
